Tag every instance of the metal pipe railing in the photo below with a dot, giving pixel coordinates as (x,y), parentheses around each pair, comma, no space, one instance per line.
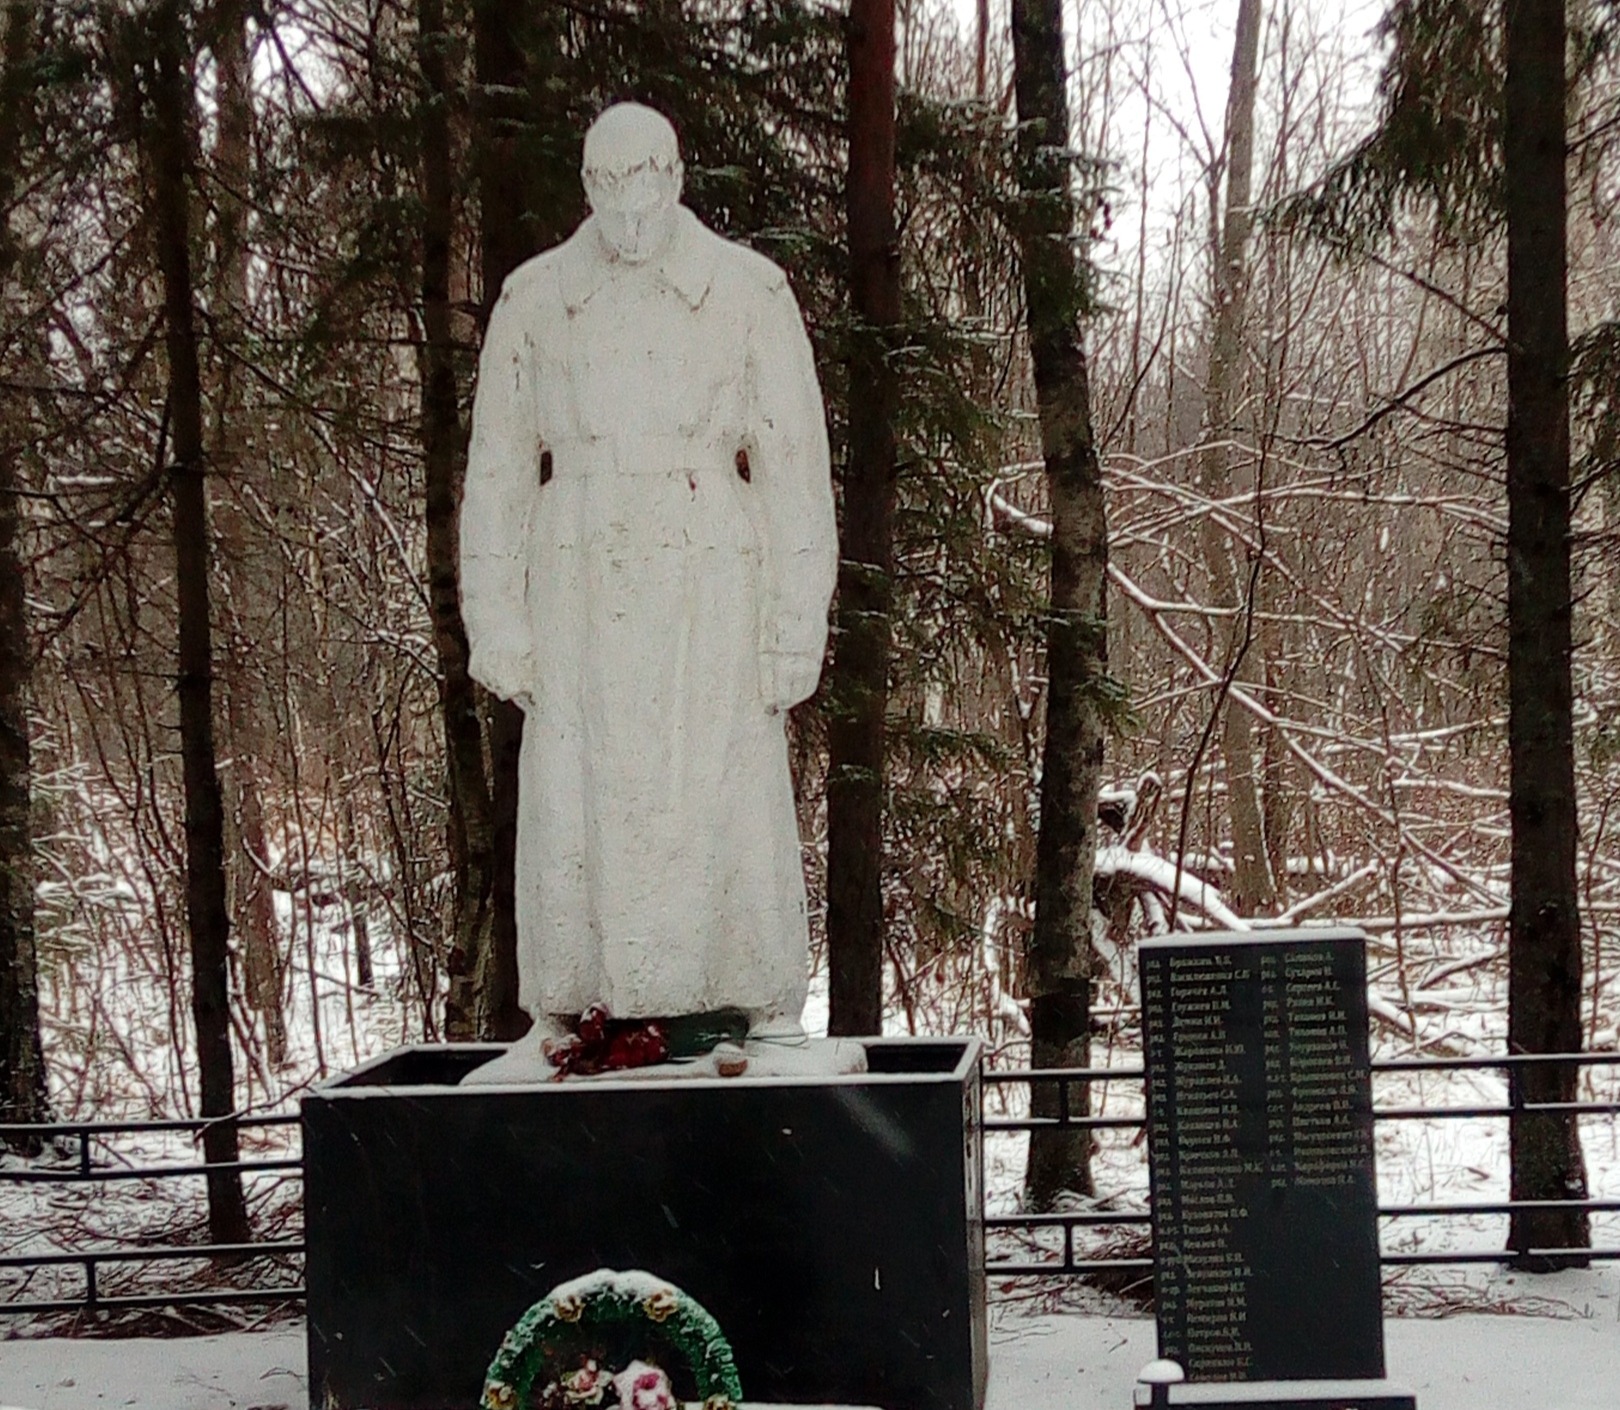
(1065,1263)
(1066,1259)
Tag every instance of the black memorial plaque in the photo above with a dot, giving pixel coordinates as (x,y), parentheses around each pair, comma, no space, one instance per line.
(1261,1156)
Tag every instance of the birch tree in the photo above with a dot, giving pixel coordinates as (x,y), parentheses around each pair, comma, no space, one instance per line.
(1235,581)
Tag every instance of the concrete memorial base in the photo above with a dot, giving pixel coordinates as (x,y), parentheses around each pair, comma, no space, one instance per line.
(831,1224)
(1280,1395)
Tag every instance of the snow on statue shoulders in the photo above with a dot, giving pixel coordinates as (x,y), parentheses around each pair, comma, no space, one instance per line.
(648,550)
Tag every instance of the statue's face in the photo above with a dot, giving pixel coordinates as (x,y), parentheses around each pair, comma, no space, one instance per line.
(635,208)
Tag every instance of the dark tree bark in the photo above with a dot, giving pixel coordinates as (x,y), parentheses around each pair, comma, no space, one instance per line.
(506,239)
(253,911)
(472,841)
(1057,968)
(22,1061)
(1544,960)
(206,912)
(858,681)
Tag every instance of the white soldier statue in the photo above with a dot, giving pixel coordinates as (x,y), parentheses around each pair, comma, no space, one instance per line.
(648,550)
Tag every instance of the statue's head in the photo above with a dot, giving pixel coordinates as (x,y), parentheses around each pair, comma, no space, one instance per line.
(632,171)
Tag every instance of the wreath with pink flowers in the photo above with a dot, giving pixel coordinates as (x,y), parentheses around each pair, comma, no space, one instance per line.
(560,1346)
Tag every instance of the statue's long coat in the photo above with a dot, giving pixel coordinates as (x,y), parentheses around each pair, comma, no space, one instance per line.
(625,583)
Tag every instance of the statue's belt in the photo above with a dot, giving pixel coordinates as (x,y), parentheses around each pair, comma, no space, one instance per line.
(642,455)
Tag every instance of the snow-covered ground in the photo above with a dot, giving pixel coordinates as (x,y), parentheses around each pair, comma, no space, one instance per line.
(1045,1362)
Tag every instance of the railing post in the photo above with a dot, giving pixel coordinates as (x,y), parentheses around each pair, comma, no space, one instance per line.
(1515,1088)
(92,1296)
(84,1152)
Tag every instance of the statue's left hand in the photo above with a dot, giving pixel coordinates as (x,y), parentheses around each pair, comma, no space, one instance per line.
(786,678)
(507,675)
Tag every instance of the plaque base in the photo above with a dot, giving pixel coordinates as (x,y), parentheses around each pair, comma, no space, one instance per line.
(1280,1395)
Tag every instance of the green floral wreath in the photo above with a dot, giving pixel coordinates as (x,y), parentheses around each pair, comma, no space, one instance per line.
(572,1313)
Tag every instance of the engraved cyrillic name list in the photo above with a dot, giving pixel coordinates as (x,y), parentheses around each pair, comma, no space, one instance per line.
(1257,1093)
(1320,1078)
(1196,1110)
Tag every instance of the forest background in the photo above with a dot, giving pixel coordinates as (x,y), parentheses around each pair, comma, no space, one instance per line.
(247,252)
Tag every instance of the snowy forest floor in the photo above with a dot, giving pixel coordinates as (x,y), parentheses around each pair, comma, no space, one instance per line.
(1063,1361)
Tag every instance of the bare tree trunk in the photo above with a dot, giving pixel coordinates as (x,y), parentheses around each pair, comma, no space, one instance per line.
(472,843)
(22,1061)
(206,912)
(1253,887)
(1278,798)
(1544,958)
(247,859)
(496,977)
(1057,968)
(506,239)
(858,681)
(254,910)
(354,897)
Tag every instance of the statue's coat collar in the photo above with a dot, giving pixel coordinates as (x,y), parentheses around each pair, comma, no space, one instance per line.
(687,266)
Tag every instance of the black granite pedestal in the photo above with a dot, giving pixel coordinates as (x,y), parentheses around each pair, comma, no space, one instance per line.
(832,1225)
